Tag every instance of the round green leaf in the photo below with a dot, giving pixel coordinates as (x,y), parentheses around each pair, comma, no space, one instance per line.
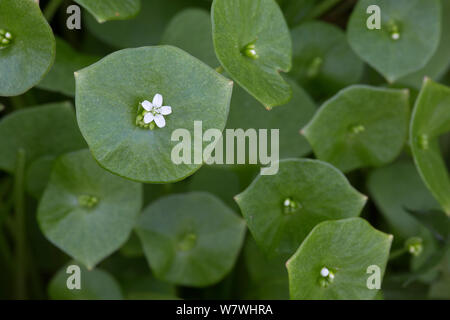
(431,119)
(31,49)
(143,30)
(111,9)
(190,30)
(440,61)
(86,211)
(95,285)
(190,239)
(360,127)
(246,113)
(281,210)
(395,189)
(323,62)
(60,78)
(346,248)
(108,95)
(47,130)
(408,38)
(253,44)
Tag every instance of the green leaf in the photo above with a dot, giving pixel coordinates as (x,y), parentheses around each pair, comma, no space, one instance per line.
(407,40)
(31,49)
(346,248)
(60,78)
(86,211)
(253,44)
(436,221)
(111,9)
(395,189)
(143,30)
(431,119)
(95,285)
(246,113)
(267,278)
(52,125)
(190,239)
(281,210)
(38,174)
(108,95)
(361,126)
(190,30)
(323,62)
(439,63)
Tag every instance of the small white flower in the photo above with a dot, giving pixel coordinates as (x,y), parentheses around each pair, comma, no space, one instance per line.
(155,111)
(324,272)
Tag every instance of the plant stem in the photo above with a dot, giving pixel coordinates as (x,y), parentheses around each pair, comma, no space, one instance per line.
(397,253)
(322,8)
(51,8)
(19,210)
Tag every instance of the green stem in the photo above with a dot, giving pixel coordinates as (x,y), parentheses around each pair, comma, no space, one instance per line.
(51,8)
(19,210)
(322,8)
(397,253)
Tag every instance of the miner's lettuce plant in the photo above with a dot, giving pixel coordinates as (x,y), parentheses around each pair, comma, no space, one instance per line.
(358,209)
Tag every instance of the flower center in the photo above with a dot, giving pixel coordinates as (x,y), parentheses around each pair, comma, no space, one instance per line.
(5,38)
(357,128)
(314,67)
(414,246)
(394,30)
(187,242)
(290,206)
(250,51)
(326,277)
(87,201)
(423,141)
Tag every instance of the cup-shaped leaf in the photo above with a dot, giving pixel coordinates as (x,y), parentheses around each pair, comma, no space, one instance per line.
(246,113)
(395,189)
(95,284)
(360,127)
(38,174)
(191,30)
(333,261)
(430,120)
(323,62)
(439,63)
(253,44)
(27,47)
(281,210)
(407,39)
(190,239)
(143,30)
(86,211)
(109,96)
(111,9)
(53,125)
(60,78)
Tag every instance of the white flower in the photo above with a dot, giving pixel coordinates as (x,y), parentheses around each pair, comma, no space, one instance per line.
(155,111)
(324,272)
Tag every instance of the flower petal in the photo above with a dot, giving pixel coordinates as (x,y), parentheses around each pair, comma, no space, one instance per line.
(165,110)
(147,105)
(148,118)
(159,120)
(157,100)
